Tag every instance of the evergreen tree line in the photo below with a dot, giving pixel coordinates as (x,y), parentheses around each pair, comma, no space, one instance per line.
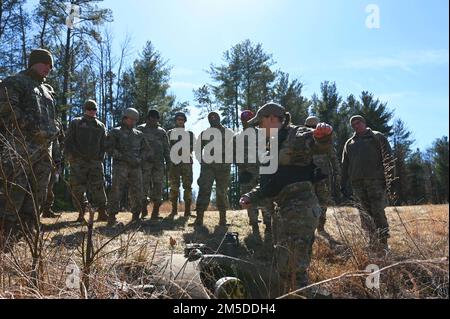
(86,66)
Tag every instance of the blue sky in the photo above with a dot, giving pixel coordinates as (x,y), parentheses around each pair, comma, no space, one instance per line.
(405,62)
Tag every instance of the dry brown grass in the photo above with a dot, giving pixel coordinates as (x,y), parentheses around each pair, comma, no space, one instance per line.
(417,264)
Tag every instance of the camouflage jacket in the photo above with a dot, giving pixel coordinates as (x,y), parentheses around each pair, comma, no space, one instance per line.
(225,145)
(296,148)
(250,162)
(26,97)
(58,145)
(85,139)
(175,141)
(125,145)
(365,157)
(328,163)
(156,144)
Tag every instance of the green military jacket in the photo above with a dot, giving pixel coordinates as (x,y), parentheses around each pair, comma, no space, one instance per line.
(125,145)
(156,144)
(29,100)
(85,139)
(191,142)
(364,157)
(297,146)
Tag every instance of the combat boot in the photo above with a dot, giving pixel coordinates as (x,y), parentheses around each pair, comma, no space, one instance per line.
(49,213)
(144,212)
(155,211)
(102,216)
(80,218)
(255,229)
(223,218)
(135,218)
(187,208)
(112,221)
(199,220)
(174,211)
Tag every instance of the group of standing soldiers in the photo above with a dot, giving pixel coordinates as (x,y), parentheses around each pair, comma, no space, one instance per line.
(293,200)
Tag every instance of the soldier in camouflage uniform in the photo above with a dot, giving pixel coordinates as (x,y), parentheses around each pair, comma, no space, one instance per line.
(57,156)
(291,189)
(157,150)
(249,178)
(27,132)
(85,151)
(329,166)
(126,145)
(366,166)
(214,171)
(182,170)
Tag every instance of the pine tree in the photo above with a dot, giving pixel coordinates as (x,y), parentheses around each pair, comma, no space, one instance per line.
(376,113)
(401,144)
(289,94)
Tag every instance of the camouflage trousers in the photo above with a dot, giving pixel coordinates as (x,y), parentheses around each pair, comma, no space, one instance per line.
(322,191)
(50,198)
(152,179)
(26,188)
(87,176)
(371,195)
(294,223)
(220,173)
(182,171)
(125,175)
(248,181)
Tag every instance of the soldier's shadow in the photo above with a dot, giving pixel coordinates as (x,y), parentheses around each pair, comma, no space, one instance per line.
(202,235)
(158,227)
(58,226)
(69,241)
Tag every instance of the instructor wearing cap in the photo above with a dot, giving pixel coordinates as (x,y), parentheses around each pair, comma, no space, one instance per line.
(291,189)
(366,162)
(27,121)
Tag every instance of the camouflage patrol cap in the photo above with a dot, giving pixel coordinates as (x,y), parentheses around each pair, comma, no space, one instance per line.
(267,110)
(153,113)
(40,56)
(357,117)
(90,105)
(131,113)
(312,121)
(182,115)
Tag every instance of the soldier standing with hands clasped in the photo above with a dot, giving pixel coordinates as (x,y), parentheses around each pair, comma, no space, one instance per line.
(85,151)
(126,144)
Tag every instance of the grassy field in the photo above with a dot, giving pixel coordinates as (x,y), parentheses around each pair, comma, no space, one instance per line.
(416,267)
